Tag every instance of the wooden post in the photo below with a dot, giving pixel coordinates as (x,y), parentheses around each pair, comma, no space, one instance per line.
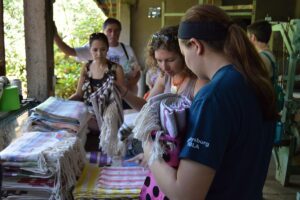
(2,44)
(124,14)
(38,17)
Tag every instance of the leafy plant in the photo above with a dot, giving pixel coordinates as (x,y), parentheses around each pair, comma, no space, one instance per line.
(14,39)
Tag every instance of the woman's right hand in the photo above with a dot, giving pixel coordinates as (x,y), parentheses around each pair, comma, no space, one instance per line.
(139,159)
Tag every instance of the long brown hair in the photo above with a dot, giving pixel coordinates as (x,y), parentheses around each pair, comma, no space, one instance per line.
(239,50)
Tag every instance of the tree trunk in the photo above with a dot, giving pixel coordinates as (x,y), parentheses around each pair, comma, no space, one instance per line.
(2,44)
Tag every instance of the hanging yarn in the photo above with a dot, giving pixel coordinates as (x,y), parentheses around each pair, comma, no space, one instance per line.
(165,116)
(107,105)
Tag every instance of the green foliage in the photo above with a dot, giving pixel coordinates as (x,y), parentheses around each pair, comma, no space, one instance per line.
(14,39)
(75,21)
(67,72)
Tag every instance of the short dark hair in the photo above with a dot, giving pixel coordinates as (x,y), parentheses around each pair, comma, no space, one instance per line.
(109,21)
(261,29)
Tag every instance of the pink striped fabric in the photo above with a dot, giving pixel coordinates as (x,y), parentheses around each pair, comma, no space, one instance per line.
(122,177)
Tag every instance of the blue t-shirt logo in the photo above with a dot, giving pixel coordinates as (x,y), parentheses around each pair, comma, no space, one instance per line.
(115,58)
(195,143)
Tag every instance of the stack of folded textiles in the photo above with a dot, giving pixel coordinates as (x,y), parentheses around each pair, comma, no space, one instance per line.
(110,182)
(56,114)
(42,165)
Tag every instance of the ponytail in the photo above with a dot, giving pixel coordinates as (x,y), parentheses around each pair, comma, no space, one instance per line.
(247,61)
(239,50)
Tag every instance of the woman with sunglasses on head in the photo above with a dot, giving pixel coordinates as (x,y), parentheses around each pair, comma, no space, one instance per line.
(228,144)
(163,51)
(96,71)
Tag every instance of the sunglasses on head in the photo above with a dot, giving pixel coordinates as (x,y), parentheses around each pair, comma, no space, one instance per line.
(162,38)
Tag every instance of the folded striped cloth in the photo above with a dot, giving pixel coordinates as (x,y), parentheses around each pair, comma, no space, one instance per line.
(87,187)
(122,177)
(74,112)
(30,184)
(38,122)
(56,114)
(30,147)
(58,155)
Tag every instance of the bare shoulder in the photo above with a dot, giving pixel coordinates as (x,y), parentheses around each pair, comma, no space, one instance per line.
(84,69)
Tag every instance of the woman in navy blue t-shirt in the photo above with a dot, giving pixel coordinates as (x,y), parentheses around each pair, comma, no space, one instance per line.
(228,144)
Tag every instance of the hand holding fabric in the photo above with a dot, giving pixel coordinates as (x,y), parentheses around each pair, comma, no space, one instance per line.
(139,159)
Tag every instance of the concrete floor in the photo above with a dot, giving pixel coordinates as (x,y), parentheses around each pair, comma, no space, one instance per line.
(273,190)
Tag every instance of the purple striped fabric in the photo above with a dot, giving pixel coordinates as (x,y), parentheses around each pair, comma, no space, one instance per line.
(98,158)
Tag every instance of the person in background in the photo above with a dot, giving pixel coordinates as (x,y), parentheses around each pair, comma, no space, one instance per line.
(227,147)
(118,52)
(95,71)
(151,77)
(163,52)
(259,34)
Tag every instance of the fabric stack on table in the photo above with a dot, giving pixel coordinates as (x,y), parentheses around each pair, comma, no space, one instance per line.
(42,165)
(57,114)
(9,122)
(110,182)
